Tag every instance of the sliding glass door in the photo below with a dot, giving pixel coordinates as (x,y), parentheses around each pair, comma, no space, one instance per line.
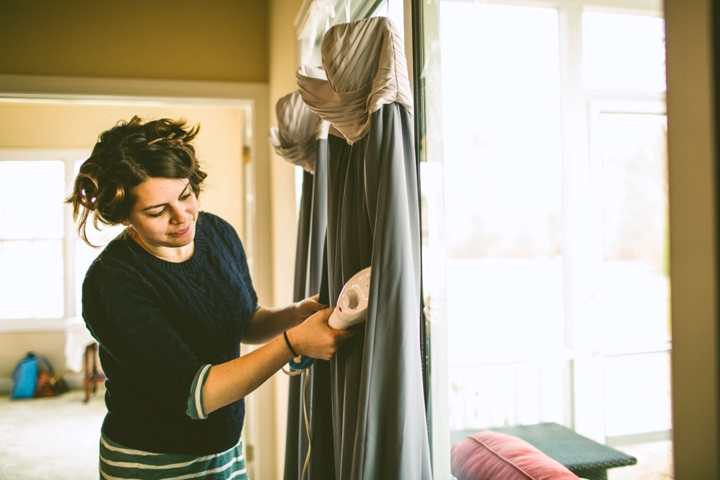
(544,189)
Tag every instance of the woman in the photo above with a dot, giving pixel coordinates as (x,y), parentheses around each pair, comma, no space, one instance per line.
(169,301)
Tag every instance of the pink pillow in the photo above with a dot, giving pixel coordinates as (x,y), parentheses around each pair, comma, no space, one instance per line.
(490,455)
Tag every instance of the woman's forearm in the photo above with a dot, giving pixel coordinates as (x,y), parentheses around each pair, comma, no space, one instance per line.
(233,380)
(268,323)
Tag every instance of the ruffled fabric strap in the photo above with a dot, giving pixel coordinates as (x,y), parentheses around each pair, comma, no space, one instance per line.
(295,137)
(364,68)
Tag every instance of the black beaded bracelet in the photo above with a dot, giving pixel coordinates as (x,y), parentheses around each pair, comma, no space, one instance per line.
(290,346)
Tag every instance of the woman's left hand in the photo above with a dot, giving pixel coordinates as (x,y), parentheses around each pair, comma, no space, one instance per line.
(309,307)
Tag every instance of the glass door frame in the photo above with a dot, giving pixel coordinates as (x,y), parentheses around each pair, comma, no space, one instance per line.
(578,109)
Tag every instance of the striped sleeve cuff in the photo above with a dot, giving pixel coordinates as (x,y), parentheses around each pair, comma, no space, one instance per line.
(195,400)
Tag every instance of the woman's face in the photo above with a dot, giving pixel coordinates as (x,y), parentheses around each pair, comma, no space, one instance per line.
(164,215)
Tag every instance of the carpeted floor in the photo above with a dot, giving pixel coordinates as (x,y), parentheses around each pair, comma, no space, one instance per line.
(50,438)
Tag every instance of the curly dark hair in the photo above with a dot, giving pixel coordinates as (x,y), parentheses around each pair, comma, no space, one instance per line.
(123,158)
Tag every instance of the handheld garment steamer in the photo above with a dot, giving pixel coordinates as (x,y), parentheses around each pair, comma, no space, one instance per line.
(350,310)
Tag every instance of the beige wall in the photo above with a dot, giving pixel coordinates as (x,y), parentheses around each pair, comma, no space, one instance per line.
(216,40)
(76,126)
(283,64)
(692,152)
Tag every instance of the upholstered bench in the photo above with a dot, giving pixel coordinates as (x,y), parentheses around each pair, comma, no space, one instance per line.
(584,457)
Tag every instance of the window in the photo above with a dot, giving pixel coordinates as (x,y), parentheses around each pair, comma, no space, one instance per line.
(42,259)
(544,212)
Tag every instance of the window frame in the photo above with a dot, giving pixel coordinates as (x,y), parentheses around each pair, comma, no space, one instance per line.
(580,110)
(69,240)
(647,103)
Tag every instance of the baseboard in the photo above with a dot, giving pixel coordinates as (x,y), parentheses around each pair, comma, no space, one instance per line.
(5,386)
(74,381)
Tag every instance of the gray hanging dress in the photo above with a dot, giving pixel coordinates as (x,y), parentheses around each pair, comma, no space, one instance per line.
(376,386)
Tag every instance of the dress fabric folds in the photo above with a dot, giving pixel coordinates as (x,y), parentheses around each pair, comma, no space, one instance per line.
(298,131)
(301,139)
(376,387)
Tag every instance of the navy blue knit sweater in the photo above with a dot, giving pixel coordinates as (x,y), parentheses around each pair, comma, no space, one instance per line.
(157,323)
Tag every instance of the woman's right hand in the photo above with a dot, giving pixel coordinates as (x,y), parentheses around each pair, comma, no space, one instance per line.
(315,338)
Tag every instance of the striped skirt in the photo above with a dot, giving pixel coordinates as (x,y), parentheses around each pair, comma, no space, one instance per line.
(118,462)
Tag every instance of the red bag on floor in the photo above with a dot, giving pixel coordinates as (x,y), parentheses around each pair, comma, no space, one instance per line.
(48,383)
